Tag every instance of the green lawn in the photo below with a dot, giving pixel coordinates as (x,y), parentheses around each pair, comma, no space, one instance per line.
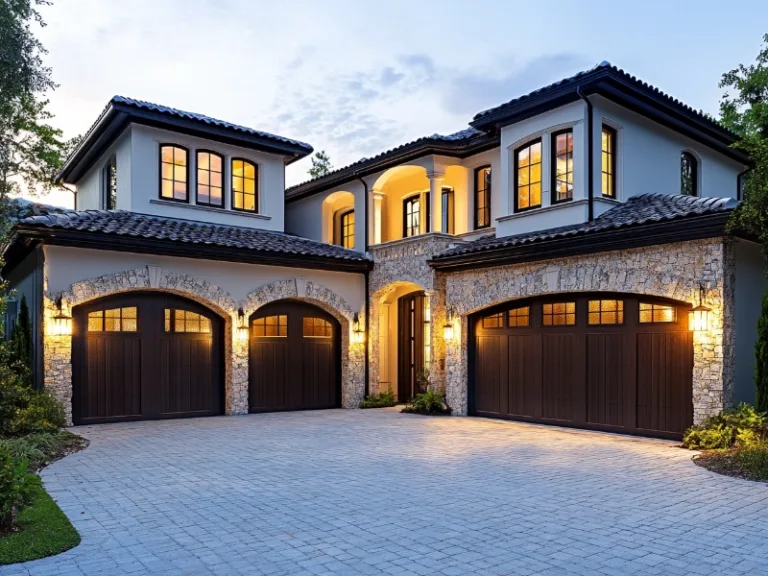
(45,531)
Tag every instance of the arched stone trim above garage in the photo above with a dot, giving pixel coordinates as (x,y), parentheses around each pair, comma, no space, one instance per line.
(352,355)
(58,349)
(674,271)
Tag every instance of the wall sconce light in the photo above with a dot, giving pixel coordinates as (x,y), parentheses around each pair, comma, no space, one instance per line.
(62,324)
(448,327)
(357,332)
(242,326)
(700,313)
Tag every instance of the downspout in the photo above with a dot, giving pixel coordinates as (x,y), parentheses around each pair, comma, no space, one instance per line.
(590,158)
(367,297)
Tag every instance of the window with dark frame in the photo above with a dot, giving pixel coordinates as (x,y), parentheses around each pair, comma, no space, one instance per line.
(558,314)
(244,185)
(494,321)
(602,312)
(184,321)
(210,179)
(608,161)
(174,173)
(519,317)
(528,176)
(657,313)
(110,184)
(482,197)
(316,328)
(347,225)
(689,168)
(562,166)
(114,320)
(271,326)
(412,216)
(446,206)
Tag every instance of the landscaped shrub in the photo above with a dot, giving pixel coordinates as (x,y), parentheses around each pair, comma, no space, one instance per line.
(42,449)
(429,403)
(761,359)
(743,424)
(383,400)
(26,411)
(16,485)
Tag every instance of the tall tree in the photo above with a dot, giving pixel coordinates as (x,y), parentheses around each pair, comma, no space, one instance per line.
(321,164)
(744,110)
(30,148)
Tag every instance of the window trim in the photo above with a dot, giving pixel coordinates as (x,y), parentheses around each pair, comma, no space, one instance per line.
(160,172)
(614,143)
(553,164)
(105,180)
(257,203)
(527,144)
(694,173)
(343,214)
(223,179)
(447,192)
(406,200)
(487,193)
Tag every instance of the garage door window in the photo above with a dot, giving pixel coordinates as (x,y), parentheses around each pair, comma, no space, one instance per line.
(316,328)
(559,314)
(606,312)
(519,317)
(494,321)
(271,326)
(183,321)
(113,320)
(657,313)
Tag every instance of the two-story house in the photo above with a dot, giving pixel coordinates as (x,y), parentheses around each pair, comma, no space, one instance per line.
(565,259)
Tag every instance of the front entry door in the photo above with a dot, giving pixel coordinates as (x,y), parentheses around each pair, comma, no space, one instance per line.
(410,348)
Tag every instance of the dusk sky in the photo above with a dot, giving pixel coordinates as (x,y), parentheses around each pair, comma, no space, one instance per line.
(356,78)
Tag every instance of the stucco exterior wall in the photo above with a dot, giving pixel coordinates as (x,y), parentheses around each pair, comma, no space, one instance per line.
(90,188)
(672,270)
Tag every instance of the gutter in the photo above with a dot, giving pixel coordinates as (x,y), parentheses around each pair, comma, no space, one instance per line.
(590,158)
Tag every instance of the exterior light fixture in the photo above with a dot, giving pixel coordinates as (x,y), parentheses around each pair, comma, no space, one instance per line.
(700,313)
(357,332)
(242,326)
(448,327)
(62,324)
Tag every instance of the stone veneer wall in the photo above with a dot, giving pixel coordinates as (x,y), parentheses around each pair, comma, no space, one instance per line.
(57,365)
(670,270)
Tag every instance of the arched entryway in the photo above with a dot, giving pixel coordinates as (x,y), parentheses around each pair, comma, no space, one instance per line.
(294,358)
(608,361)
(145,355)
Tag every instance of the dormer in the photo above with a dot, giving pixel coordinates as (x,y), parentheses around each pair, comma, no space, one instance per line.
(152,159)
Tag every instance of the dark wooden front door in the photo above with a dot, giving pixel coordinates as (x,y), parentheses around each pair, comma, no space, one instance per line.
(294,359)
(615,362)
(145,356)
(410,344)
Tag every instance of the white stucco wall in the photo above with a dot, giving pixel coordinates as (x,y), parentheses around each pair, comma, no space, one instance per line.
(751,284)
(66,266)
(90,188)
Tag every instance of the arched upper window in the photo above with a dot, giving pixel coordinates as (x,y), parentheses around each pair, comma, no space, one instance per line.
(689,168)
(174,173)
(244,185)
(528,176)
(210,181)
(346,229)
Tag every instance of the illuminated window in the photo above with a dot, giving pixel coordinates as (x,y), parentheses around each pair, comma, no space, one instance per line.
(608,161)
(411,216)
(519,317)
(528,176)
(446,210)
(173,173)
(482,197)
(559,314)
(562,166)
(244,176)
(494,321)
(114,320)
(316,328)
(651,313)
(210,179)
(606,312)
(688,174)
(271,326)
(347,222)
(187,322)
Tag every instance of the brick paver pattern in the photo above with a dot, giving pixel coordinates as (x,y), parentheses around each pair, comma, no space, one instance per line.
(354,492)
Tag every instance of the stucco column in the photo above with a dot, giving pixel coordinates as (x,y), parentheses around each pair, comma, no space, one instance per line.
(378,205)
(435,200)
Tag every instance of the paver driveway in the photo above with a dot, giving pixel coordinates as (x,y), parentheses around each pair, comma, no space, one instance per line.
(379,492)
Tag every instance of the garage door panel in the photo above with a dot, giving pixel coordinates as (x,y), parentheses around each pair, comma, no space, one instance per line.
(319,378)
(523,388)
(491,361)
(269,372)
(111,387)
(557,370)
(605,379)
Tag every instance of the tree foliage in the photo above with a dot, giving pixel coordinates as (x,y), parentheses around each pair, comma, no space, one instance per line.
(761,359)
(321,164)
(744,110)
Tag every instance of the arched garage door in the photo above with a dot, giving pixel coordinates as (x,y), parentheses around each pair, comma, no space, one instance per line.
(144,356)
(295,359)
(615,362)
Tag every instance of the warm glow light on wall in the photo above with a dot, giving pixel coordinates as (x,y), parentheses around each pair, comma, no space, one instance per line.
(448,327)
(61,324)
(242,326)
(700,314)
(358,336)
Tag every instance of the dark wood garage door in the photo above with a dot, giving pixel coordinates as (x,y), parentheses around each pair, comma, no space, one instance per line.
(145,356)
(294,359)
(614,362)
